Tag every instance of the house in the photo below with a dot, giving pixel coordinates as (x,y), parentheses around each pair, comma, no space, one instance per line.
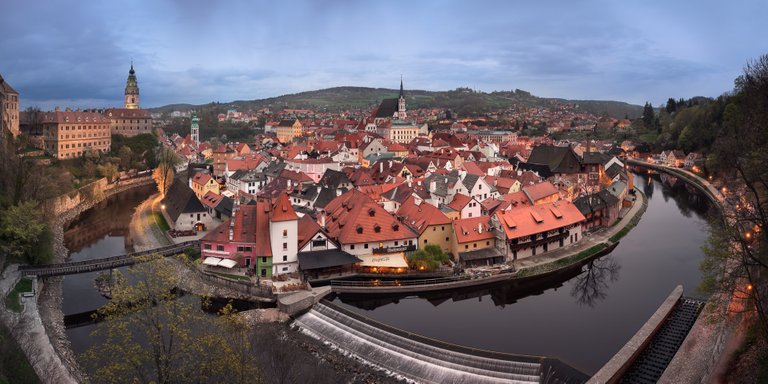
(432,225)
(693,159)
(218,206)
(675,158)
(462,207)
(541,193)
(527,230)
(182,209)
(600,209)
(474,242)
(320,258)
(365,229)
(202,183)
(260,235)
(289,129)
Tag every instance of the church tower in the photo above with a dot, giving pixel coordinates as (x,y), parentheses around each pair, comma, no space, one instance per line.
(401,102)
(131,90)
(195,130)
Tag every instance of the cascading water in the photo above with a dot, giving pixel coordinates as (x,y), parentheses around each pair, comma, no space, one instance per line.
(410,358)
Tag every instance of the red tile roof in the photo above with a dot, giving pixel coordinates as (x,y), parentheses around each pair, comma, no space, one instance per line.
(526,220)
(283,210)
(421,216)
(459,202)
(540,191)
(201,178)
(473,229)
(354,218)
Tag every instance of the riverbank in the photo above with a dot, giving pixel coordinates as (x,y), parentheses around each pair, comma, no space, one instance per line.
(592,245)
(50,294)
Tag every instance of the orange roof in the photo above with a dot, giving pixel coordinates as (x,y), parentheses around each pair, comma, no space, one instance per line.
(283,210)
(251,226)
(308,228)
(459,202)
(355,218)
(201,178)
(419,217)
(526,220)
(211,200)
(540,190)
(473,229)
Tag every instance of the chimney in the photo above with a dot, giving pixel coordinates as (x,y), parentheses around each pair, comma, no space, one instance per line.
(381,167)
(322,220)
(57,109)
(432,186)
(479,227)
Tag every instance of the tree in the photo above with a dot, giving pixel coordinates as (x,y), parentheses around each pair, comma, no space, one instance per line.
(737,254)
(648,116)
(24,235)
(671,106)
(428,258)
(153,334)
(126,155)
(163,174)
(107,170)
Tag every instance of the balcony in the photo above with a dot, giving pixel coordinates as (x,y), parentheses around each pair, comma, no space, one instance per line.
(538,242)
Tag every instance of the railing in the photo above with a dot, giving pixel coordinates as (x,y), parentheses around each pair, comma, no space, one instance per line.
(398,283)
(82,266)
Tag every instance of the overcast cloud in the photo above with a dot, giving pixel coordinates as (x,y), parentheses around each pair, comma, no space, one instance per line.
(77,53)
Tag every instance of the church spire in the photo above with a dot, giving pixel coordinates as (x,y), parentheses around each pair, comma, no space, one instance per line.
(401,102)
(401,86)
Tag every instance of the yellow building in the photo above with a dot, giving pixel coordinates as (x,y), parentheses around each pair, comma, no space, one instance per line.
(9,108)
(398,131)
(203,183)
(129,122)
(430,223)
(70,134)
(287,130)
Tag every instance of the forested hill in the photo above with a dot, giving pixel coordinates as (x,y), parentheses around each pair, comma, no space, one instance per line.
(463,101)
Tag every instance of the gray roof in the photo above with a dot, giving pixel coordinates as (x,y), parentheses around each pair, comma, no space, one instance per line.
(470,181)
(387,108)
(180,199)
(558,159)
(325,259)
(324,197)
(485,253)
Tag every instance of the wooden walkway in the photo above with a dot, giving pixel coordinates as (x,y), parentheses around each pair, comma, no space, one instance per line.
(75,267)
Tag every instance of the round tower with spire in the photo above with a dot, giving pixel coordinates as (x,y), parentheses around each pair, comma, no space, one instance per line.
(132,90)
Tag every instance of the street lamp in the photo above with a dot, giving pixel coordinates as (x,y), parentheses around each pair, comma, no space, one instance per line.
(162,206)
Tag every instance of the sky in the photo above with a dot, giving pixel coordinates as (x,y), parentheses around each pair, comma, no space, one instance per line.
(77,53)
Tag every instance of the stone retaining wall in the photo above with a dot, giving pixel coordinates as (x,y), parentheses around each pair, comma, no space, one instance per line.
(612,371)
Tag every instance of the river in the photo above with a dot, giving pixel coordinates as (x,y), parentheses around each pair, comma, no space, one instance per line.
(582,321)
(585,320)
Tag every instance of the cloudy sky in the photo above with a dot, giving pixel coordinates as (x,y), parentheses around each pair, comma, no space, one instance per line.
(77,53)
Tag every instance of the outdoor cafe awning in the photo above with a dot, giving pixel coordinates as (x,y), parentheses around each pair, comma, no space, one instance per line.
(391,260)
(227,263)
(212,261)
(217,262)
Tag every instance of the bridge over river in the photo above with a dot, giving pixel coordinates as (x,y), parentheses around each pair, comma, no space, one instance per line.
(75,267)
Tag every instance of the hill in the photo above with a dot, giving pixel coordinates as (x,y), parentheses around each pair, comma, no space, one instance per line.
(463,101)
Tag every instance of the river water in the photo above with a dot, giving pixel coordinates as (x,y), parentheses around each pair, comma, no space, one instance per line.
(583,320)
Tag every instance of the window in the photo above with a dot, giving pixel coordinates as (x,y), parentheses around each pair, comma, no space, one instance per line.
(246,249)
(434,229)
(264,259)
(425,241)
(285,257)
(285,233)
(396,243)
(466,246)
(206,246)
(318,243)
(487,243)
(352,246)
(285,245)
(219,247)
(285,269)
(365,245)
(447,239)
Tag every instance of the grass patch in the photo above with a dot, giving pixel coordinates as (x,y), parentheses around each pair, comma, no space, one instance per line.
(160,220)
(12,301)
(564,262)
(14,366)
(231,276)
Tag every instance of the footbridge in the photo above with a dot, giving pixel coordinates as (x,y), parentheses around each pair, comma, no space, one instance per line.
(75,267)
(697,182)
(427,360)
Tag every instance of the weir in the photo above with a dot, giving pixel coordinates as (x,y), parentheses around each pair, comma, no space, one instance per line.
(427,360)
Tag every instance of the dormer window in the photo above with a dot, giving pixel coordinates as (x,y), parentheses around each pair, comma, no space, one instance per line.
(372,212)
(395,226)
(359,229)
(377,228)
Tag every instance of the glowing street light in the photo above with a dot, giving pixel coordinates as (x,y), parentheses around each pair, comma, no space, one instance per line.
(162,206)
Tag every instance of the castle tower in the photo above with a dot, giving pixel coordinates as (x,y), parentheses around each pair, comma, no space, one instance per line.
(131,90)
(195,134)
(401,102)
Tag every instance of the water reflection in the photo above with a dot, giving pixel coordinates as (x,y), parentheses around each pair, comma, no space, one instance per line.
(592,285)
